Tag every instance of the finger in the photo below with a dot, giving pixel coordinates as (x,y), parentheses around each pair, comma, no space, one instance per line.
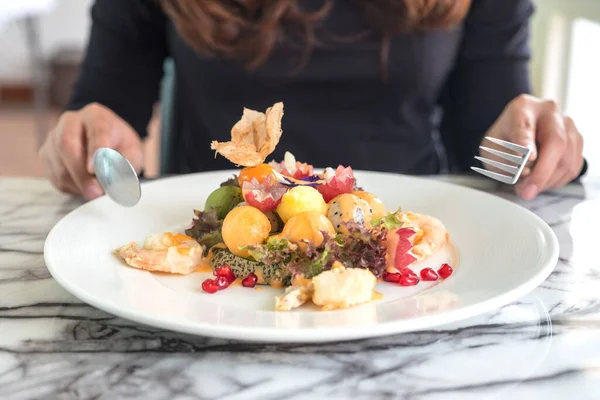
(72,153)
(105,129)
(552,140)
(526,172)
(562,179)
(99,132)
(572,161)
(521,125)
(562,174)
(60,177)
(53,169)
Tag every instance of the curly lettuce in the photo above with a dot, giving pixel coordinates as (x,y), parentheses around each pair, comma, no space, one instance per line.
(206,229)
(361,247)
(233,181)
(306,260)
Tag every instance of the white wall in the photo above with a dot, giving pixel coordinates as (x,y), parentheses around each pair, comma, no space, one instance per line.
(67,24)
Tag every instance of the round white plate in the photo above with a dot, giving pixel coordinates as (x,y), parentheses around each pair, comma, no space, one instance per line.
(505,252)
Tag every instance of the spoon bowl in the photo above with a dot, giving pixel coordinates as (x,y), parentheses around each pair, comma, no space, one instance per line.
(117,177)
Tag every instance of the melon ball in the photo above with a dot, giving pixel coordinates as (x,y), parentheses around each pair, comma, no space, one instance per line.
(244,226)
(300,199)
(308,225)
(377,207)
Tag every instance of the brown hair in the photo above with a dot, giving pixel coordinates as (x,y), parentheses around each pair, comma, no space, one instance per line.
(249,30)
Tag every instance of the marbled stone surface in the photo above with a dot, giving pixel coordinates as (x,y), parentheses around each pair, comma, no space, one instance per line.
(544,346)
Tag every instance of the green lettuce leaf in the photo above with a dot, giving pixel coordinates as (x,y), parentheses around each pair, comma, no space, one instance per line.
(306,260)
(206,228)
(389,221)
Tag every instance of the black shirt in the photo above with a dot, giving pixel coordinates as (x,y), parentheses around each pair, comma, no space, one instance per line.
(337,108)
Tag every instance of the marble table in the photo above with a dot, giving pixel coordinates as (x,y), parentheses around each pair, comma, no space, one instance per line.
(544,346)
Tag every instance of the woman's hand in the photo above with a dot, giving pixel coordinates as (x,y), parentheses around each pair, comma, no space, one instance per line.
(556,144)
(69,148)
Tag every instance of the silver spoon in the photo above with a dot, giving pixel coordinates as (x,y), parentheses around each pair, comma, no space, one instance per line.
(117,177)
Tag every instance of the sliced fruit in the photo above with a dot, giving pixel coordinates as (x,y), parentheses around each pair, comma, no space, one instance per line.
(338,181)
(260,173)
(265,195)
(398,248)
(348,207)
(377,207)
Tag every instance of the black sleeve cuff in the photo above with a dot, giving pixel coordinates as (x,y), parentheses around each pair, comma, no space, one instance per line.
(583,170)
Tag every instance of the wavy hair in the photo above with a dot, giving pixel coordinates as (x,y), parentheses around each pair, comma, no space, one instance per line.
(248,30)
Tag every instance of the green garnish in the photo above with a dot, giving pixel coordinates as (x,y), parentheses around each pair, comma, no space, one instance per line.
(389,221)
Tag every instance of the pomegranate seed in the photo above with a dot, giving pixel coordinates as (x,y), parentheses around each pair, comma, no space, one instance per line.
(250,280)
(428,274)
(393,277)
(210,286)
(445,271)
(222,282)
(408,278)
(226,272)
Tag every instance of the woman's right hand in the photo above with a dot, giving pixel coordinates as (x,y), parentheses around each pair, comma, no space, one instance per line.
(69,148)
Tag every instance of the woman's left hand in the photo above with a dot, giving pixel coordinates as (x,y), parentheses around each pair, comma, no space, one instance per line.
(556,144)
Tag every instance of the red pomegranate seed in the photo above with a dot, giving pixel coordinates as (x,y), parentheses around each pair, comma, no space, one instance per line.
(210,286)
(393,277)
(428,274)
(222,282)
(250,280)
(445,271)
(226,272)
(408,278)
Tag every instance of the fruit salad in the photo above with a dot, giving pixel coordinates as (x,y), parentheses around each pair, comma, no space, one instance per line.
(281,223)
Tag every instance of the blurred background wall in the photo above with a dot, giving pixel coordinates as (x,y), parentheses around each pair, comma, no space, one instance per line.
(47,47)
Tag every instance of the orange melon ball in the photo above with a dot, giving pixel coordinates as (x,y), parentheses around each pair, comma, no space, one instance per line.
(244,226)
(377,207)
(309,226)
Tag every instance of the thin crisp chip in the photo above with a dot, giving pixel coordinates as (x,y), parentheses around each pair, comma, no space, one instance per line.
(253,138)
(243,130)
(239,154)
(273,127)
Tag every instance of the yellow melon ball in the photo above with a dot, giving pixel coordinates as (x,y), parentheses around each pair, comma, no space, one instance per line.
(244,226)
(309,226)
(300,199)
(377,207)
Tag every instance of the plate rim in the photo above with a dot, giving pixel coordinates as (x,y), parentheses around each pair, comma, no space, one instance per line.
(315,334)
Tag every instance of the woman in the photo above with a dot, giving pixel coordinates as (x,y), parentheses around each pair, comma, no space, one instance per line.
(362,82)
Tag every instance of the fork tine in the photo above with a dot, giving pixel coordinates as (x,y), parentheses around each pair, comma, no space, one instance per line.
(501,154)
(494,175)
(509,145)
(504,167)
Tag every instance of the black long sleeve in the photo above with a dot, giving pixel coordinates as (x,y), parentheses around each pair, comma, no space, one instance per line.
(491,69)
(123,66)
(337,109)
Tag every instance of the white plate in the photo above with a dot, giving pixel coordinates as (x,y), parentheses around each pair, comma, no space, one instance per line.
(505,252)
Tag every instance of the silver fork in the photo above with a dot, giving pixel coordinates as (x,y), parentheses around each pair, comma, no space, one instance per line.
(513,170)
